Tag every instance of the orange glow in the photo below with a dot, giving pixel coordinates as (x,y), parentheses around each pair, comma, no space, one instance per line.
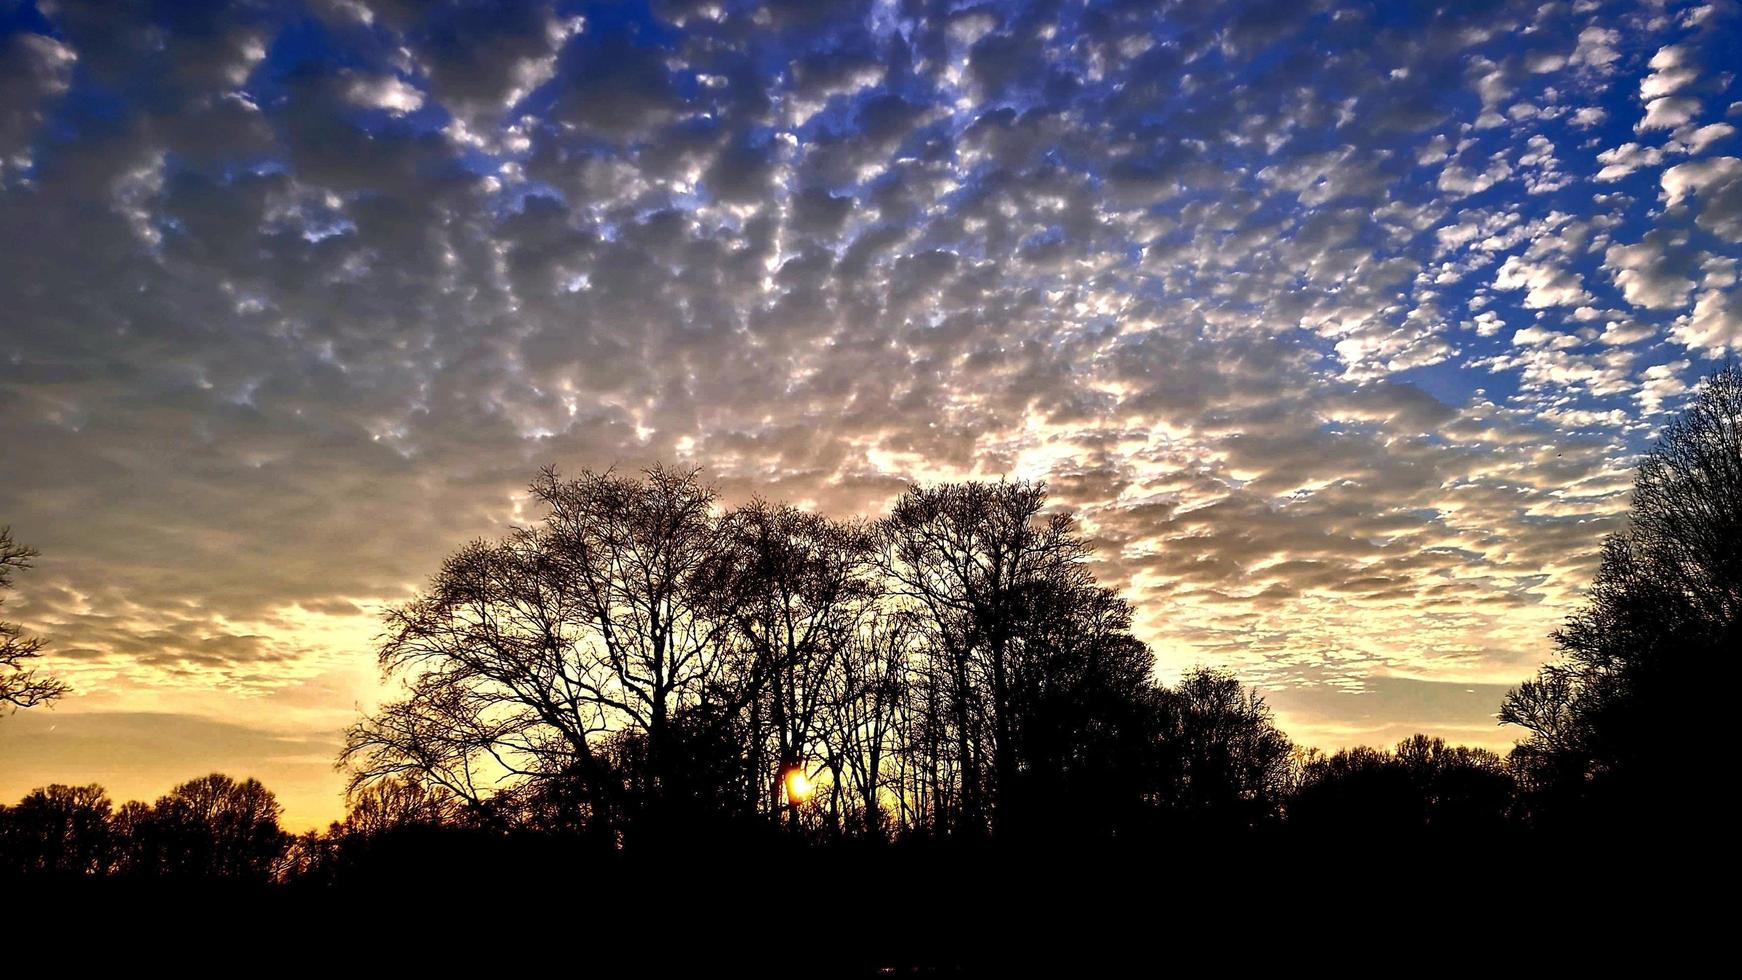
(798,786)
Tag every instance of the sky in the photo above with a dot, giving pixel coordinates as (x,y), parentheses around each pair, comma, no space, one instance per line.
(1339,325)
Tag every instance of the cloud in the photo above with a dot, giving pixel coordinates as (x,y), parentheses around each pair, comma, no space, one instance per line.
(1671,73)
(1545,283)
(1668,113)
(1717,182)
(1696,141)
(34,68)
(1714,325)
(1625,159)
(385,92)
(1655,273)
(1596,48)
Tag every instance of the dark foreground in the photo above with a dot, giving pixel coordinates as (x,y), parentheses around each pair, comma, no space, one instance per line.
(1495,907)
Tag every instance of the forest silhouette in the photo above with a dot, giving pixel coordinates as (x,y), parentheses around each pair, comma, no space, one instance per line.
(705,711)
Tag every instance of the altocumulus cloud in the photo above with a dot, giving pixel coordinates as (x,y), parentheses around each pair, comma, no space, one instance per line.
(1338,323)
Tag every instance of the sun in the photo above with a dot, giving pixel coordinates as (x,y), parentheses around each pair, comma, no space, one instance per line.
(798,786)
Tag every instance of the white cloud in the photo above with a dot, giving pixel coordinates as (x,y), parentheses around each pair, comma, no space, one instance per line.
(1668,113)
(1649,273)
(1596,48)
(1715,324)
(1695,142)
(1659,383)
(1672,73)
(1546,283)
(387,92)
(1459,181)
(1625,159)
(1694,178)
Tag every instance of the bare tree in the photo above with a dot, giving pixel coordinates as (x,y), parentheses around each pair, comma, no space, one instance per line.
(500,680)
(794,586)
(631,556)
(1610,721)
(866,692)
(974,558)
(523,653)
(21,686)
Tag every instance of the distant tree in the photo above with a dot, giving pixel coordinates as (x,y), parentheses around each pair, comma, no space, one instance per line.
(313,858)
(20,685)
(211,827)
(1463,789)
(1359,792)
(129,825)
(1611,728)
(1223,760)
(58,830)
(1425,785)
(387,822)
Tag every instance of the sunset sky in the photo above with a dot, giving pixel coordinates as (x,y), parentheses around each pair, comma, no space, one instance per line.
(1338,325)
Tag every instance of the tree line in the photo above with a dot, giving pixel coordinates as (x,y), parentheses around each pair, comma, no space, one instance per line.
(211,827)
(643,667)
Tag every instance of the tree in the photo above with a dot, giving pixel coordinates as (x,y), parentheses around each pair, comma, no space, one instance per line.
(20,685)
(633,554)
(1088,713)
(58,830)
(523,654)
(1463,789)
(1224,759)
(1611,729)
(497,680)
(866,694)
(211,827)
(976,561)
(395,803)
(794,587)
(1425,785)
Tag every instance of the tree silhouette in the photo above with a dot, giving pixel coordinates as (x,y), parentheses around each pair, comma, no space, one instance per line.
(1224,760)
(396,803)
(1424,785)
(642,663)
(794,588)
(1612,733)
(20,685)
(1088,717)
(211,827)
(58,830)
(983,568)
(863,712)
(524,654)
